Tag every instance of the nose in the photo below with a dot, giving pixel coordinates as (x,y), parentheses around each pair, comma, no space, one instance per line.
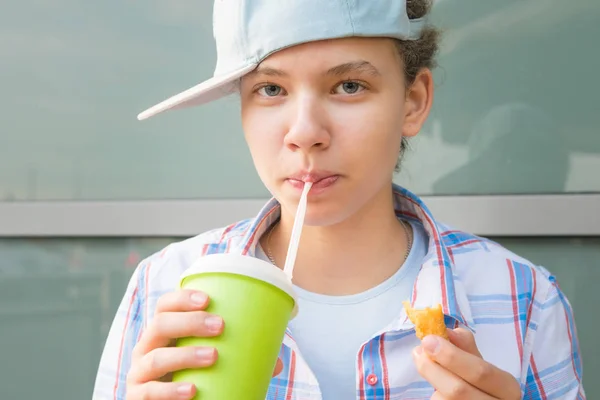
(307,131)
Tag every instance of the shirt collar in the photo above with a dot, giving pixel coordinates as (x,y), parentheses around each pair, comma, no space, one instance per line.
(436,283)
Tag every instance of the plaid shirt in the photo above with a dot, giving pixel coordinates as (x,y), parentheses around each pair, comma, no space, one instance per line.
(521,320)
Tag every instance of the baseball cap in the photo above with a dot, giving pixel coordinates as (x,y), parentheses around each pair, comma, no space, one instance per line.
(248,31)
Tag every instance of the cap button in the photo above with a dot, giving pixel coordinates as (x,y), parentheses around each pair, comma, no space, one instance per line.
(372,379)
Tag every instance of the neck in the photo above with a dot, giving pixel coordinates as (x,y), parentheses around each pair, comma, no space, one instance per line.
(348,257)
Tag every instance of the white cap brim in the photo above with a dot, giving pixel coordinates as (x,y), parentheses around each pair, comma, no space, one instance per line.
(207,91)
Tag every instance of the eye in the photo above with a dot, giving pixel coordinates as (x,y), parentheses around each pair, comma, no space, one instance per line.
(348,87)
(270,90)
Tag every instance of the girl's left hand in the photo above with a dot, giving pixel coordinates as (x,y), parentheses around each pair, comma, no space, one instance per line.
(456,370)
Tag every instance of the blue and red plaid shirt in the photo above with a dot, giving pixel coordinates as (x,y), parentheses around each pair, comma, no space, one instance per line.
(522,321)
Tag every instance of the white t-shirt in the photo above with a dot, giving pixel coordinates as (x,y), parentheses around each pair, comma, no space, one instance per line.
(330,330)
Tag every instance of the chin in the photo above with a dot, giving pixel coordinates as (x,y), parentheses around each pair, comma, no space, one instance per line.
(325,208)
(323,214)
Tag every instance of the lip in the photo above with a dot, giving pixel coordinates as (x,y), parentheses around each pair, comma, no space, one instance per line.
(320,180)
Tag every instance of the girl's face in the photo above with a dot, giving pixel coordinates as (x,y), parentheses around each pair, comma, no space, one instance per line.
(333,113)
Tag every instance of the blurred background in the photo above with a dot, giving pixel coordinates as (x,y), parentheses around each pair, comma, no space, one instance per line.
(515,118)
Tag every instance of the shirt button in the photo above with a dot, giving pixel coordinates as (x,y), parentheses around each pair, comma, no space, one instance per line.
(372,379)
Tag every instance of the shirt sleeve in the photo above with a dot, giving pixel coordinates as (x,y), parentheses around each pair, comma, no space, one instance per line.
(124,333)
(555,369)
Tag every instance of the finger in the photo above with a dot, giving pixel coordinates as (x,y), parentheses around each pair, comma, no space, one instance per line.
(159,362)
(437,396)
(465,340)
(278,367)
(167,326)
(449,385)
(182,300)
(161,391)
(472,368)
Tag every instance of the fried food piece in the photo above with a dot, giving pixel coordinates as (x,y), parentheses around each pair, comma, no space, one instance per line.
(428,321)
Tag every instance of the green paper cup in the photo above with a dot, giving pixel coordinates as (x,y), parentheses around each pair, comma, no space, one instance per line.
(256,301)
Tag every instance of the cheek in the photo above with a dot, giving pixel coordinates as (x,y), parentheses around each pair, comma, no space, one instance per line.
(262,137)
(372,134)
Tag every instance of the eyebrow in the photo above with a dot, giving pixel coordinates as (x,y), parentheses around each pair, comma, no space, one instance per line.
(339,70)
(354,66)
(268,71)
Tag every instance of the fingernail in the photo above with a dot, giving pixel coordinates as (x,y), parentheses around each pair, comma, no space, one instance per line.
(205,353)
(214,323)
(198,298)
(431,344)
(418,350)
(185,389)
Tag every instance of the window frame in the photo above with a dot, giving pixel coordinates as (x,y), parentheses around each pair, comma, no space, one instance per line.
(486,215)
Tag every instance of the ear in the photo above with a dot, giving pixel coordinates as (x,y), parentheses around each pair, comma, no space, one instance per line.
(419,98)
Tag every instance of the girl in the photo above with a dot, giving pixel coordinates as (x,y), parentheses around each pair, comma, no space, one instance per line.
(330,92)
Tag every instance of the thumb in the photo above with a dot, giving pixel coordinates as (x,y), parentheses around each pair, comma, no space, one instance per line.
(464,340)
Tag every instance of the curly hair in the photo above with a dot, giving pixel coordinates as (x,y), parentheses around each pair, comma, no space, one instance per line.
(417,54)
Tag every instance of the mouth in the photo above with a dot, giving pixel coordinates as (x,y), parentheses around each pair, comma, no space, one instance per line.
(319,180)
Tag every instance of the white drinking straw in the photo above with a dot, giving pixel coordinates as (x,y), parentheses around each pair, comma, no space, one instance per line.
(290,259)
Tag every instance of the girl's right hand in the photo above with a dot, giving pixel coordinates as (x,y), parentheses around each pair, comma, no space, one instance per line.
(178,314)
